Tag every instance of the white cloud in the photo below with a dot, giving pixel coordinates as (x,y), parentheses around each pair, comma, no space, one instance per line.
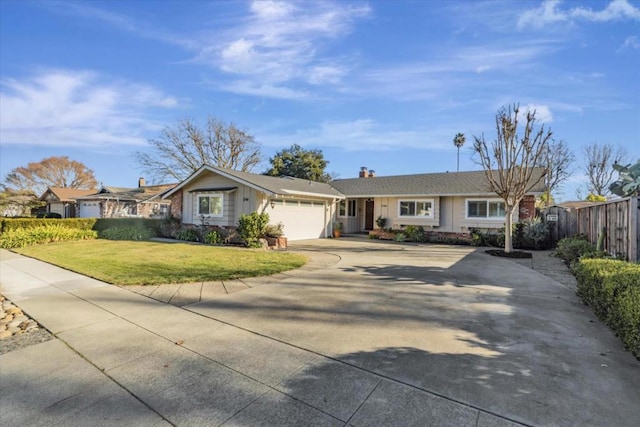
(630,42)
(550,12)
(543,113)
(77,108)
(280,43)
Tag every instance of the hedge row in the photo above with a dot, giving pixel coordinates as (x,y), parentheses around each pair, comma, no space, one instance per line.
(8,224)
(41,234)
(97,224)
(612,288)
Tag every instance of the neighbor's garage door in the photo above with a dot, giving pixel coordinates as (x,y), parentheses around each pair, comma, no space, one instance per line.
(89,210)
(302,219)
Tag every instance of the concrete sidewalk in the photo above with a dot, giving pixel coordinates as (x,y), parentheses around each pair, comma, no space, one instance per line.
(124,359)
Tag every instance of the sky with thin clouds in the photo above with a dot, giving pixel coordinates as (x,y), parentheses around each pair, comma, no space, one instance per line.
(382,84)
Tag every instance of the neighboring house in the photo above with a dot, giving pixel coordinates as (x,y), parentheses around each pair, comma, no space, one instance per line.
(62,200)
(451,202)
(216,196)
(575,204)
(142,201)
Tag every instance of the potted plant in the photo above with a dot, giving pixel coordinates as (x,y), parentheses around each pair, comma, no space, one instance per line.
(337,230)
(274,234)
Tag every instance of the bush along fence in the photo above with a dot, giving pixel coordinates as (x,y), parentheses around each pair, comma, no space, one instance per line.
(611,287)
(614,225)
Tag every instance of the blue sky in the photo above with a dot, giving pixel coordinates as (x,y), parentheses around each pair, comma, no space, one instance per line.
(382,84)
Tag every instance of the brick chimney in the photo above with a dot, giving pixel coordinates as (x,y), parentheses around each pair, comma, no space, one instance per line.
(141,182)
(363,172)
(372,173)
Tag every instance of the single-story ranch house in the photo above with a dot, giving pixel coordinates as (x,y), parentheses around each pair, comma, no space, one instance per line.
(141,201)
(62,200)
(451,202)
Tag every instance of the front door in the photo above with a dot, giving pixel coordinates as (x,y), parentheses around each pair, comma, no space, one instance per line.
(368,215)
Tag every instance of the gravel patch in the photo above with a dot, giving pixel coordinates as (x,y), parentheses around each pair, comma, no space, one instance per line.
(17,330)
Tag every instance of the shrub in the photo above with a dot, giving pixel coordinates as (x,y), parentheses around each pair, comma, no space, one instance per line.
(9,224)
(48,215)
(274,230)
(188,235)
(48,233)
(381,222)
(415,234)
(153,225)
(126,233)
(612,289)
(213,238)
(487,238)
(253,227)
(169,227)
(531,234)
(400,237)
(572,248)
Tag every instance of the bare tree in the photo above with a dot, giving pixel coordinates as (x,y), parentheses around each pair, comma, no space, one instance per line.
(558,163)
(459,141)
(50,172)
(512,162)
(184,148)
(598,166)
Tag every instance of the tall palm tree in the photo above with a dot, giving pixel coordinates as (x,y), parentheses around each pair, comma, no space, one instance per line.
(459,141)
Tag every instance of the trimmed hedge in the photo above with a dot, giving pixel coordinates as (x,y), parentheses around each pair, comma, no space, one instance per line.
(126,233)
(48,233)
(612,289)
(97,224)
(153,225)
(8,224)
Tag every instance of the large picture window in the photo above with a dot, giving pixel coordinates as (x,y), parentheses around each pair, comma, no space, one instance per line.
(416,208)
(210,205)
(485,209)
(347,208)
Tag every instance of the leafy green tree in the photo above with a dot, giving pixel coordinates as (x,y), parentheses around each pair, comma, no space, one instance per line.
(299,163)
(459,141)
(596,198)
(628,183)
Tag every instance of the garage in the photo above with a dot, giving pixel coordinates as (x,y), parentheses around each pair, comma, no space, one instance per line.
(302,219)
(89,210)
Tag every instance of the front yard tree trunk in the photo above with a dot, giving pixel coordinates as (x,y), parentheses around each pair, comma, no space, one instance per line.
(508,228)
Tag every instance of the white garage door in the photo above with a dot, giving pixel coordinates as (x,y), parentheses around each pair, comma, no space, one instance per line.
(89,210)
(302,219)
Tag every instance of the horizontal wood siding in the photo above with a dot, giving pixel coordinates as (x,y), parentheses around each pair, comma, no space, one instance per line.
(230,199)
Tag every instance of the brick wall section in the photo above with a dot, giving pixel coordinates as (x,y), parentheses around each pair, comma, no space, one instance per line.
(176,204)
(527,207)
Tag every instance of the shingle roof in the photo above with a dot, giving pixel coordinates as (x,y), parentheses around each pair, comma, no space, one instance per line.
(67,194)
(428,184)
(138,194)
(269,184)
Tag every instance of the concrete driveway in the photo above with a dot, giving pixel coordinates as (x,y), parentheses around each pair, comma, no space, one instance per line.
(388,335)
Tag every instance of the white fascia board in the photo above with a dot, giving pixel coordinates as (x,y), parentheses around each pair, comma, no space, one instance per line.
(306,193)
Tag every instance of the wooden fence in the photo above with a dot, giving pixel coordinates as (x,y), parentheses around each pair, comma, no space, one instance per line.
(617,219)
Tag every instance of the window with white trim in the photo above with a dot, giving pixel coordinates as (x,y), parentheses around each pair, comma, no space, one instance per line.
(347,208)
(415,208)
(210,205)
(485,209)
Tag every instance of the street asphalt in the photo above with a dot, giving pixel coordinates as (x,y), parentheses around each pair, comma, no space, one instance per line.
(369,333)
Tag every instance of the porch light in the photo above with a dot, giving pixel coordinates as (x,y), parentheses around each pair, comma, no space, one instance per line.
(273,203)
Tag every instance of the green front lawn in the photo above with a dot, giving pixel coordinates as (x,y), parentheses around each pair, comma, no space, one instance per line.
(152,263)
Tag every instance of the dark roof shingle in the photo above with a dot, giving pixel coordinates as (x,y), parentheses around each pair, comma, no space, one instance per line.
(427,184)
